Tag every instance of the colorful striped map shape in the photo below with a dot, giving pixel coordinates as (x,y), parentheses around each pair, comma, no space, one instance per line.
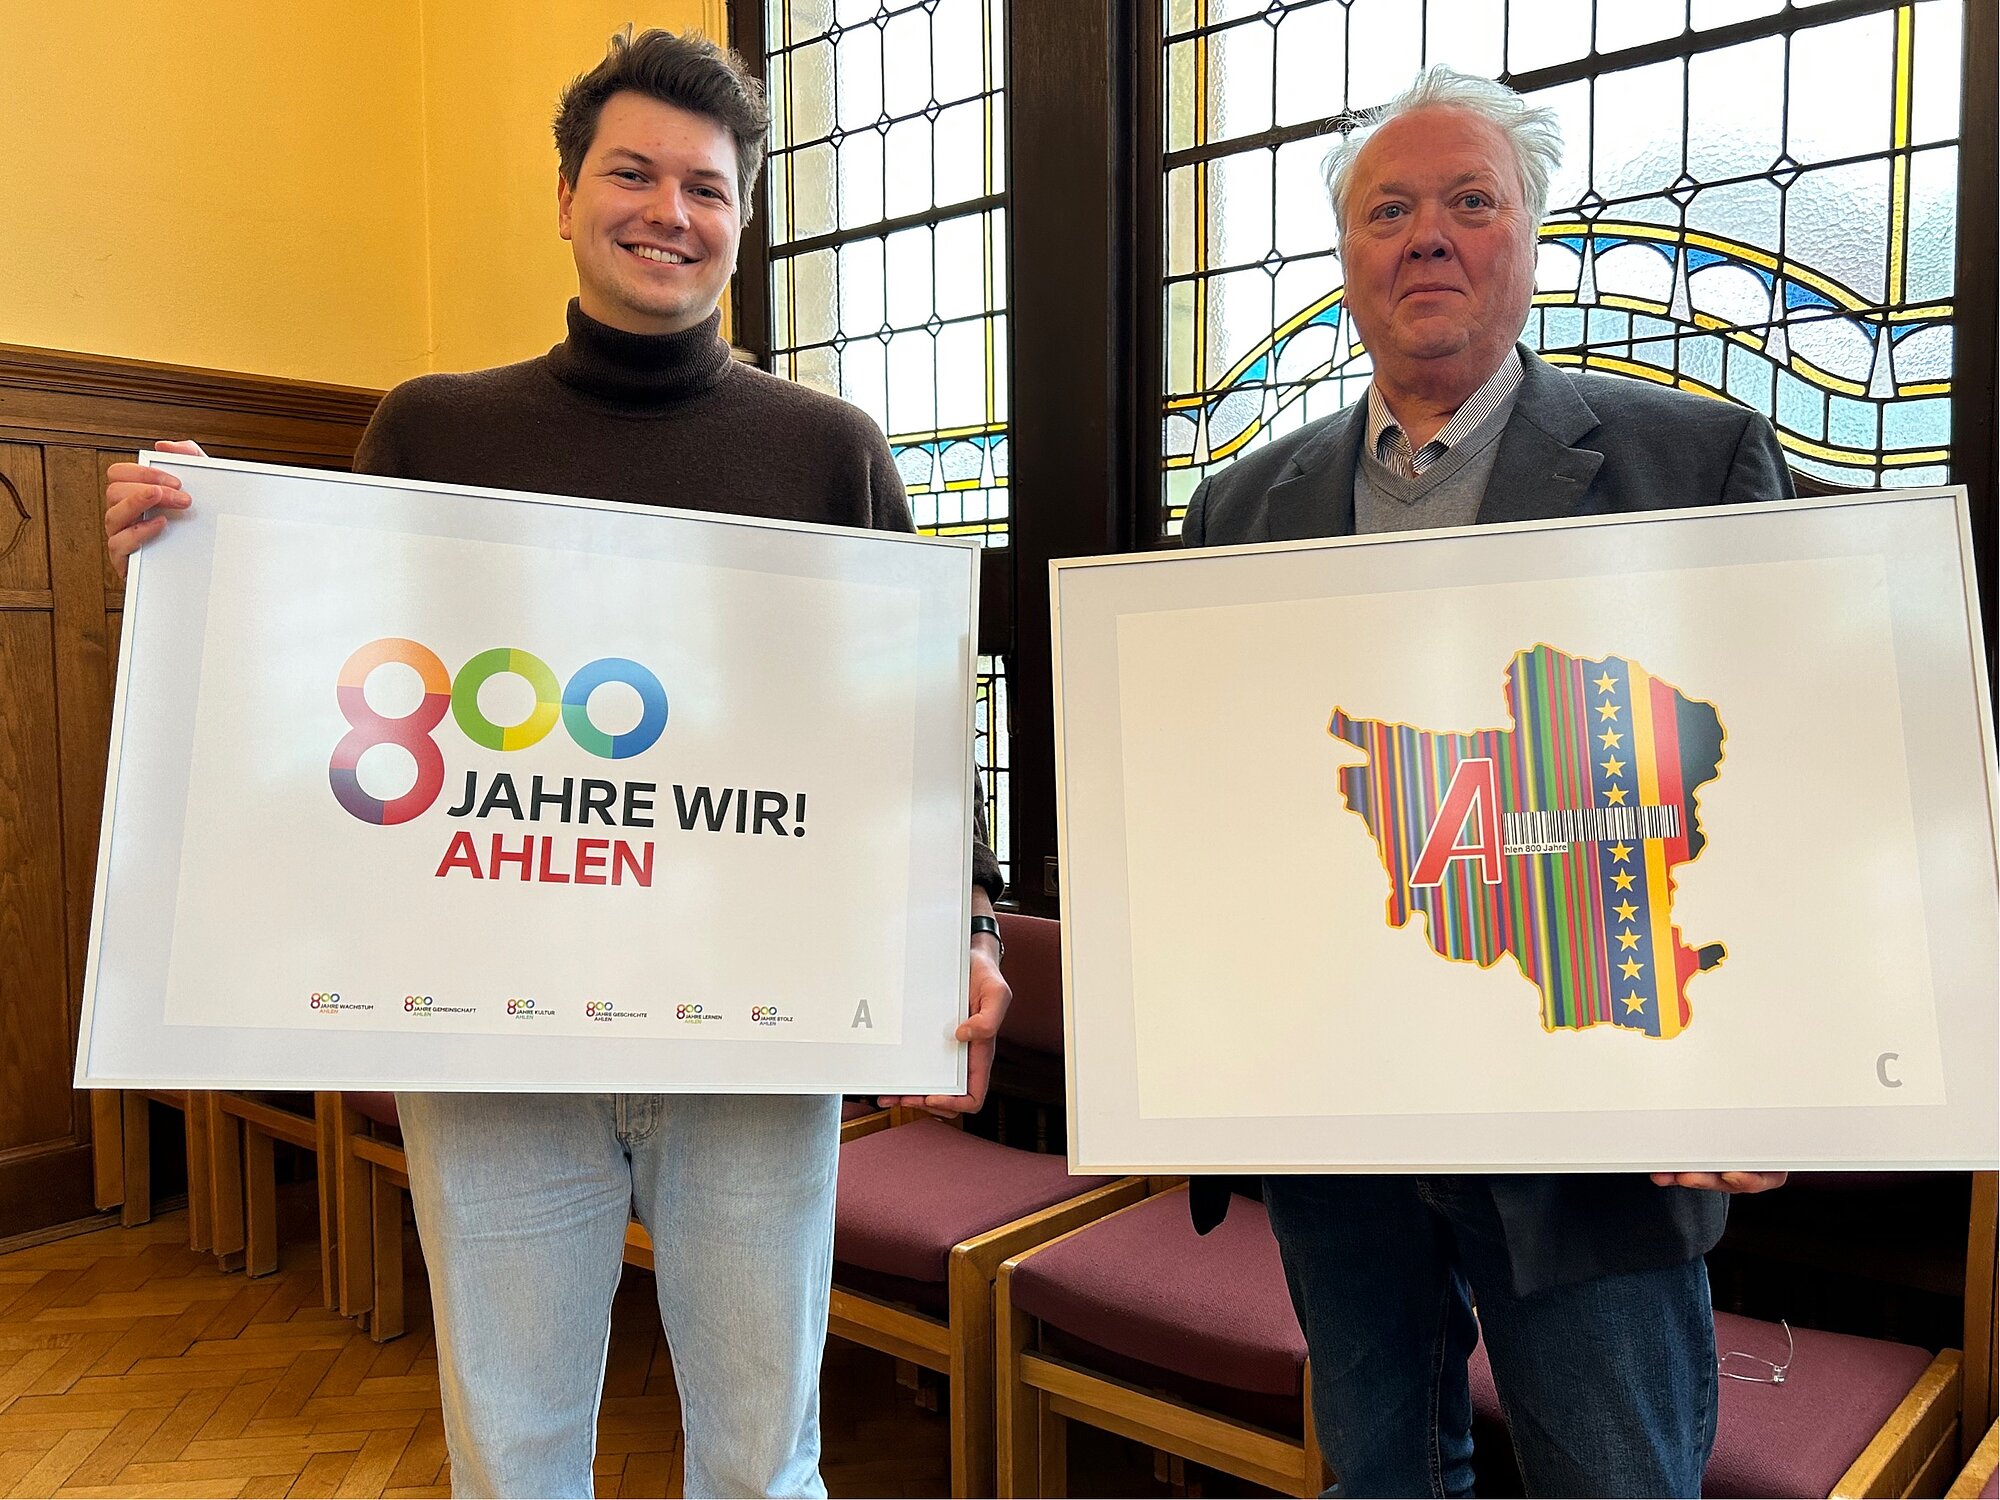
(1554,841)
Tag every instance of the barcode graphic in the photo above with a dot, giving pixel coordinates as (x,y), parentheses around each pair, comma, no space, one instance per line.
(1557,827)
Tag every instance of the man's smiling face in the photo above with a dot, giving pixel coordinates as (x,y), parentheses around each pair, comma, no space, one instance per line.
(652,219)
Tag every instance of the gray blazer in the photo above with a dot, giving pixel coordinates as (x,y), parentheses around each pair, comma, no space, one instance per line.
(1575,445)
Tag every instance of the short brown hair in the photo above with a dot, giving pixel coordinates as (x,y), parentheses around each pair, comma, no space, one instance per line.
(689,72)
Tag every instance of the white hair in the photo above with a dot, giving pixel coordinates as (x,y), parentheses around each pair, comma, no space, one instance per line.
(1530,129)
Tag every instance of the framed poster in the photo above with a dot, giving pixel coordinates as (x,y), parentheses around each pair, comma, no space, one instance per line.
(1651,842)
(426,787)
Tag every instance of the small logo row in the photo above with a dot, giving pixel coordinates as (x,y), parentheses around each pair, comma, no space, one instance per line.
(521,1008)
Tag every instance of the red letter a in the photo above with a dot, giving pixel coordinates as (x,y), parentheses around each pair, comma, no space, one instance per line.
(1474,792)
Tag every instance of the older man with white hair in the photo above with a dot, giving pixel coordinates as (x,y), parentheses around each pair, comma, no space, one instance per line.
(1591,1293)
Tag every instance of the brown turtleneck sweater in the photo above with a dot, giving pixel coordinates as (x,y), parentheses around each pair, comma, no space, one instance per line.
(650,419)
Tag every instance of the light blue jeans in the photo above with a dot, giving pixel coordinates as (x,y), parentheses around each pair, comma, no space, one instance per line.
(522,1201)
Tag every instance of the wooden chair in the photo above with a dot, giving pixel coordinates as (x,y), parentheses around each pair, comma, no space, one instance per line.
(1137,1325)
(137,1207)
(371,1177)
(1982,1310)
(243,1129)
(1977,1480)
(927,1213)
(1854,1416)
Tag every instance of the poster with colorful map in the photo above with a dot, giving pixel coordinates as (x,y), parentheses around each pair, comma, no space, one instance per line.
(1662,842)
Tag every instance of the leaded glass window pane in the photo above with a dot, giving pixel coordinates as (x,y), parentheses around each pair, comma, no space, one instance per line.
(886,204)
(1772,222)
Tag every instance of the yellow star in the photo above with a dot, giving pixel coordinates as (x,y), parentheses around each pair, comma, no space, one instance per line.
(1622,880)
(1615,796)
(1630,968)
(1627,941)
(1610,739)
(1626,911)
(1604,684)
(1607,710)
(1614,767)
(1633,1002)
(1621,851)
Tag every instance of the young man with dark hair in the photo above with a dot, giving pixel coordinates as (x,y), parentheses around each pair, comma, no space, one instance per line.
(522,1200)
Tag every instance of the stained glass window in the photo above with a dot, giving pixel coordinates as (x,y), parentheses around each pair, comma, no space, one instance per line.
(1770,217)
(886,212)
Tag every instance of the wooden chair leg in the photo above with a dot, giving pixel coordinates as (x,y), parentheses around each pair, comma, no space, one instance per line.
(138,1207)
(352,1216)
(1312,1478)
(1055,1450)
(326,1151)
(201,1207)
(970,1321)
(1016,1412)
(107,1148)
(228,1232)
(385,1319)
(260,1204)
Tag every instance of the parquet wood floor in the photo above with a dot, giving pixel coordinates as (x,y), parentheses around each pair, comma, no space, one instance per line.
(131,1366)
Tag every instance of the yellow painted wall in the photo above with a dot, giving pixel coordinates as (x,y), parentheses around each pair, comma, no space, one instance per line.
(231,183)
(354,191)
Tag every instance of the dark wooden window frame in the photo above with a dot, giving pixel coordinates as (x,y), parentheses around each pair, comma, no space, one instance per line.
(1086,163)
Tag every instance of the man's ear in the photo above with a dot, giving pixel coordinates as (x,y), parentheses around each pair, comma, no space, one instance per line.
(562,204)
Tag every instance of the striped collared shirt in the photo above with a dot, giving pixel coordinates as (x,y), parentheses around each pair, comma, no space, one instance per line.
(1391,445)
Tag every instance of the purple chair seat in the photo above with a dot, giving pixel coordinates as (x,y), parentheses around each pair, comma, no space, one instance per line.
(1792,1439)
(907,1195)
(1144,1286)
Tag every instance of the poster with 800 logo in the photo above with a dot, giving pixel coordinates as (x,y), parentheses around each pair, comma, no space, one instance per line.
(462,773)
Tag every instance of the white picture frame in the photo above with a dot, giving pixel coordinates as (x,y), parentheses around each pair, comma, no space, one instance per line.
(1236,996)
(770,721)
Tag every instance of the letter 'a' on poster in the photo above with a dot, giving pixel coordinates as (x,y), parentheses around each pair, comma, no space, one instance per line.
(1660,842)
(423,786)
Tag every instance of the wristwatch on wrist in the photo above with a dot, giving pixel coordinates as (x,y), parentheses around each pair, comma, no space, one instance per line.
(991,926)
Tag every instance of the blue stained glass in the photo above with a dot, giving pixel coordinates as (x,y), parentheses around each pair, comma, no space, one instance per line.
(1854,479)
(1801,407)
(1562,327)
(1692,207)
(1851,423)
(1701,359)
(1750,378)
(1917,424)
(1925,474)
(1608,327)
(914,464)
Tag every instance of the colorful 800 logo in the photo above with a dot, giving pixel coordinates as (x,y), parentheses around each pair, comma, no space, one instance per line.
(687,1012)
(367,729)
(519,1007)
(763,1012)
(598,1010)
(325,997)
(417,1002)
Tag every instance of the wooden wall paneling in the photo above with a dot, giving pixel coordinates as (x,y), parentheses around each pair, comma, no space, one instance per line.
(107,1114)
(78,564)
(98,401)
(64,420)
(43,1140)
